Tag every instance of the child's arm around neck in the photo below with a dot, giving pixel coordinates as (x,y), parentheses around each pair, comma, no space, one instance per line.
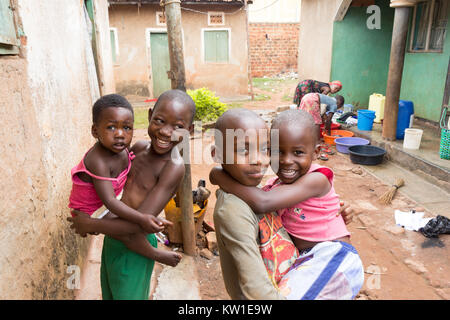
(310,185)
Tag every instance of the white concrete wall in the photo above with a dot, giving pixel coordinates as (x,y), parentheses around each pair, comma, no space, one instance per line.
(316,38)
(46,96)
(287,11)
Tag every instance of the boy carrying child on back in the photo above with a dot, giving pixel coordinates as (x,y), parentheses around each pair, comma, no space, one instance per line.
(244,160)
(152,180)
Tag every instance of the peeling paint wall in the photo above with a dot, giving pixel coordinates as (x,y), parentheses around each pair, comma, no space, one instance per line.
(316,38)
(46,95)
(133,70)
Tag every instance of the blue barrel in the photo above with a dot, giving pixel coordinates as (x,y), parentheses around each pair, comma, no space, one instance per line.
(365,119)
(404,120)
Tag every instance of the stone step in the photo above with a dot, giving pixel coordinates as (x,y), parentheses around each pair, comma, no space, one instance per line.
(424,162)
(178,283)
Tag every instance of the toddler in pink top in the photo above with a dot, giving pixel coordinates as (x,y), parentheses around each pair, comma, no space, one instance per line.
(83,196)
(302,194)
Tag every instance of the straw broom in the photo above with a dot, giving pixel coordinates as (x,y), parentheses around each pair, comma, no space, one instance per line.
(387,197)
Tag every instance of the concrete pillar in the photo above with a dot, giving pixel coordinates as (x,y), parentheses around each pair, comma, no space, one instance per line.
(397,59)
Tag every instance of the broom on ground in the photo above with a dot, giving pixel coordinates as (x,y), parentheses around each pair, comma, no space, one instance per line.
(387,197)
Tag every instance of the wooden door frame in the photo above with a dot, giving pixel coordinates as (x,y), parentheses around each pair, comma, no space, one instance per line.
(148,32)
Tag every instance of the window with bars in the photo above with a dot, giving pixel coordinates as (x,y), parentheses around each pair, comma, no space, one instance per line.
(160,18)
(429,26)
(216,18)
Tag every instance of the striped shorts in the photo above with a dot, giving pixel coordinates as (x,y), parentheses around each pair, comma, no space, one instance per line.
(331,270)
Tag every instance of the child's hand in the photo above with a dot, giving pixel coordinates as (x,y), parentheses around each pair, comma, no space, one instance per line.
(347,212)
(80,222)
(152,224)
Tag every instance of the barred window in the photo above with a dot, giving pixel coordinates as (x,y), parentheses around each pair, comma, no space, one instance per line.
(216,18)
(160,18)
(429,25)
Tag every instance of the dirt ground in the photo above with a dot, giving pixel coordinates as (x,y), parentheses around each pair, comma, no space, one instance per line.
(398,264)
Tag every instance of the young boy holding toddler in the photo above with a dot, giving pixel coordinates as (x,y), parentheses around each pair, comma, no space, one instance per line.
(129,248)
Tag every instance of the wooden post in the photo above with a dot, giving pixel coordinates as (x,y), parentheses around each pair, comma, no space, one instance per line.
(249,65)
(173,21)
(177,75)
(90,7)
(394,82)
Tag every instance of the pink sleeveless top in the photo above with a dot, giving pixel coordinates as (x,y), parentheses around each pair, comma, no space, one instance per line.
(313,219)
(83,196)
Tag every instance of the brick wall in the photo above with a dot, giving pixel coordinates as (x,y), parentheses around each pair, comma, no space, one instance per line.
(273,48)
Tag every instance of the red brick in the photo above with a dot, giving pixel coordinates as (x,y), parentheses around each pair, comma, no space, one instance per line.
(277,53)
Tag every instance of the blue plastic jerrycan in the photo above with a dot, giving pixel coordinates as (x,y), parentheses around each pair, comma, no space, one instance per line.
(405,118)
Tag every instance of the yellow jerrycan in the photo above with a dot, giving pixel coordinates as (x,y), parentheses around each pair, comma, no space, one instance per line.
(376,103)
(173,214)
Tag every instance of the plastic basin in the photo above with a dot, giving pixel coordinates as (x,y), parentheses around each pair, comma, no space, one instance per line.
(342,144)
(329,139)
(368,155)
(334,126)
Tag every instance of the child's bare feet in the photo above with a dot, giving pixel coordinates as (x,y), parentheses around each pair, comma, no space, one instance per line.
(167,257)
(138,243)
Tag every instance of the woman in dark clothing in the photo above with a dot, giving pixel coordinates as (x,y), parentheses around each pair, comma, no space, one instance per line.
(313,86)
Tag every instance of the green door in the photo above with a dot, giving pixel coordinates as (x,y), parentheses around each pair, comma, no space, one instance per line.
(160,62)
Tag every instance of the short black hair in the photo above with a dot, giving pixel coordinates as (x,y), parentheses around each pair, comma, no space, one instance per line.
(180,95)
(237,118)
(109,101)
(298,119)
(339,98)
(235,115)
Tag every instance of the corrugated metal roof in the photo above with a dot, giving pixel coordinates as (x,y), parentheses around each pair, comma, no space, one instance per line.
(234,2)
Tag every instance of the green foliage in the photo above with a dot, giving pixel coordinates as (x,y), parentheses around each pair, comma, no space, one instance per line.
(272,84)
(208,106)
(287,97)
(266,84)
(262,97)
(140,118)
